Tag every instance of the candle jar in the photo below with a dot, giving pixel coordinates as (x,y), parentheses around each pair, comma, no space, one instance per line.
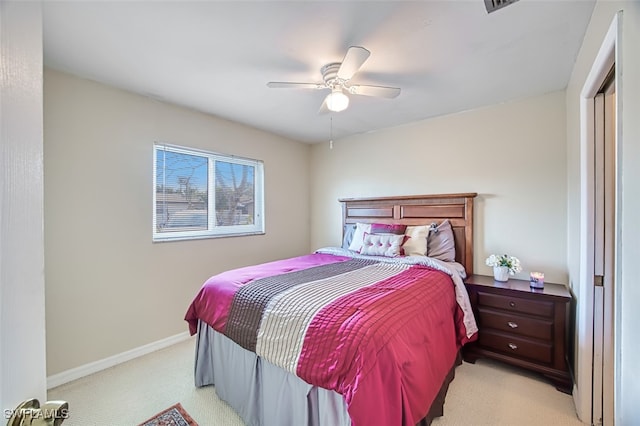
(536,280)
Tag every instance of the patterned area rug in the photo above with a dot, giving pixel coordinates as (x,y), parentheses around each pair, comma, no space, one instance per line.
(172,416)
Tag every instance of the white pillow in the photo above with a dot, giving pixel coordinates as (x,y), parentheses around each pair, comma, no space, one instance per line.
(381,244)
(416,244)
(358,236)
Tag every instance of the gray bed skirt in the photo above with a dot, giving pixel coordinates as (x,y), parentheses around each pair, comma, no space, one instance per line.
(261,393)
(266,395)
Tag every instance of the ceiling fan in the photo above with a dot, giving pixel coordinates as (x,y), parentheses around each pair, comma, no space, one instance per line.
(337,76)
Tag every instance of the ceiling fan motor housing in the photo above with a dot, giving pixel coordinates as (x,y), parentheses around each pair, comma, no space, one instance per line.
(330,75)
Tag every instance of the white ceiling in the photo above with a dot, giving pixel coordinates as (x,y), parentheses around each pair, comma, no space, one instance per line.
(216,57)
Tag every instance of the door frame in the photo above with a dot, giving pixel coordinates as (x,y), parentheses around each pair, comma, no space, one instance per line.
(23,366)
(608,56)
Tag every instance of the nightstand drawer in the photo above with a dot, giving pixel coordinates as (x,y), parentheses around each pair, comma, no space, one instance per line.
(516,304)
(515,324)
(515,346)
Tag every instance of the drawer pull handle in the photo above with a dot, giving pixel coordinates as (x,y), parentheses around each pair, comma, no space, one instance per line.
(512,304)
(513,346)
(512,324)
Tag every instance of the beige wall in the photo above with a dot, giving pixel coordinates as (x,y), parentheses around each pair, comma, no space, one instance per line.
(627,288)
(513,155)
(109,289)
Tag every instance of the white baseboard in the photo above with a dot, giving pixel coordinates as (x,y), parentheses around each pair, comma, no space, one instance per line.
(93,367)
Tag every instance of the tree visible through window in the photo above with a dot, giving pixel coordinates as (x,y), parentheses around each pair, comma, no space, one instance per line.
(235,185)
(190,184)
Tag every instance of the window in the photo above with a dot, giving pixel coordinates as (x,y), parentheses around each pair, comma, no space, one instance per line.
(200,194)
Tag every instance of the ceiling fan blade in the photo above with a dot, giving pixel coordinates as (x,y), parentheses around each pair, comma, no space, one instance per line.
(378,91)
(352,61)
(288,85)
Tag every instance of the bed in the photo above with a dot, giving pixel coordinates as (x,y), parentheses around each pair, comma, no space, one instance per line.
(346,335)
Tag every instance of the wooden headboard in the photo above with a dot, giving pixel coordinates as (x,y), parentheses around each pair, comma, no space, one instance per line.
(419,210)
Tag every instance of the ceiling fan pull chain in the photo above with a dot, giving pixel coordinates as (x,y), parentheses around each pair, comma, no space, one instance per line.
(331,132)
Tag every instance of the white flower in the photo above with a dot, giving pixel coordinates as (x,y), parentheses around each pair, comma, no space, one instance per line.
(511,262)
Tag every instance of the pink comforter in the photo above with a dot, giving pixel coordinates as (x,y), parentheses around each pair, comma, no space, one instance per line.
(384,336)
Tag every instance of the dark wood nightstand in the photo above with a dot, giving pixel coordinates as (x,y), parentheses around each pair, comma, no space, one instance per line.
(522,326)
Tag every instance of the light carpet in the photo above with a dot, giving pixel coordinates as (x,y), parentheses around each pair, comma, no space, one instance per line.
(485,393)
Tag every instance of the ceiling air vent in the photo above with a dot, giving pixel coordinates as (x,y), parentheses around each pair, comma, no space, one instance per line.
(493,5)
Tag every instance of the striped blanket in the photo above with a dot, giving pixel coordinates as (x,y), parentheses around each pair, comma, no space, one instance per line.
(382,334)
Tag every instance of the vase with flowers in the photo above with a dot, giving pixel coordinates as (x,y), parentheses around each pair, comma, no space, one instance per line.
(503,266)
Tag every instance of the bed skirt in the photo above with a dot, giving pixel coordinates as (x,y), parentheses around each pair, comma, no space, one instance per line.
(263,394)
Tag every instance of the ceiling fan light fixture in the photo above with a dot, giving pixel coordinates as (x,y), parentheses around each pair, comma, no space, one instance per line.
(337,101)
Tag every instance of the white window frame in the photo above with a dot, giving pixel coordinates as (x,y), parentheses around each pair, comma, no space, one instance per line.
(213,231)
